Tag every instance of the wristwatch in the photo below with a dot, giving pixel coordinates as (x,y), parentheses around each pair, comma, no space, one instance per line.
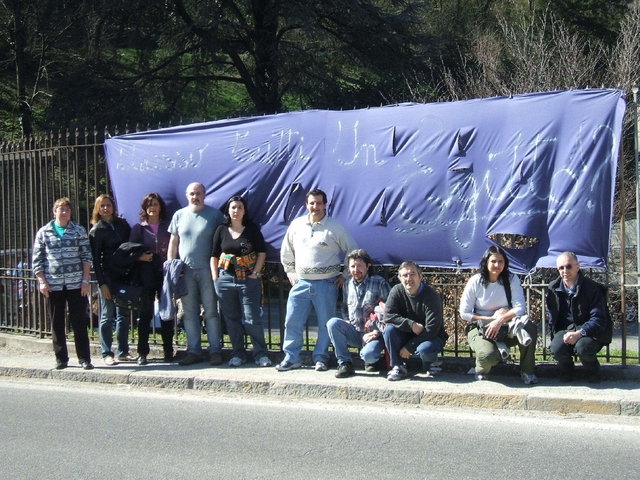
(257,274)
(582,332)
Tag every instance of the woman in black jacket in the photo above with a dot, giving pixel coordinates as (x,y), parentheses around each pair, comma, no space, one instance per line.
(106,235)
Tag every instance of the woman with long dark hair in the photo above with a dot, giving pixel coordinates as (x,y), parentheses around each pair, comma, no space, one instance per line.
(492,299)
(238,255)
(152,232)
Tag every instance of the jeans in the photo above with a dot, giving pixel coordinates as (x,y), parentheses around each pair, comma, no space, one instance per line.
(396,339)
(238,299)
(322,295)
(344,335)
(586,348)
(77,305)
(200,287)
(111,313)
(488,355)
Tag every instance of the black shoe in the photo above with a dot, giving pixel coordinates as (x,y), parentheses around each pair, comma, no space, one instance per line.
(61,365)
(86,366)
(142,360)
(168,357)
(190,359)
(566,376)
(371,367)
(594,377)
(345,370)
(215,359)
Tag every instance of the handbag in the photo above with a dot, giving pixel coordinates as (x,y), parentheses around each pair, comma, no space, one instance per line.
(126,295)
(502,333)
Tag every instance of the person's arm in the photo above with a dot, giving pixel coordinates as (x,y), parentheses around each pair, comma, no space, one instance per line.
(86,274)
(262,256)
(172,252)
(395,310)
(287,257)
(214,268)
(38,260)
(433,319)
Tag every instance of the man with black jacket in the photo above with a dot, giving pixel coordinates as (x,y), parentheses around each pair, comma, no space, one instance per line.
(413,314)
(579,320)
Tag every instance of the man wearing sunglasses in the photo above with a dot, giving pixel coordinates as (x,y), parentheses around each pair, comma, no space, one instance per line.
(580,322)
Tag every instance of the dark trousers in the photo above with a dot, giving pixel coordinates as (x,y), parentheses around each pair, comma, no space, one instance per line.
(586,348)
(144,328)
(72,300)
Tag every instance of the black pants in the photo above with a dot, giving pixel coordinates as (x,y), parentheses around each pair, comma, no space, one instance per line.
(144,329)
(77,306)
(586,348)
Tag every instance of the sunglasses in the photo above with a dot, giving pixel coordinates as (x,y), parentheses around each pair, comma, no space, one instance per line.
(565,267)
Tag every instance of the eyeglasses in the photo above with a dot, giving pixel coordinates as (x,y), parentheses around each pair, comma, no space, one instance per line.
(565,267)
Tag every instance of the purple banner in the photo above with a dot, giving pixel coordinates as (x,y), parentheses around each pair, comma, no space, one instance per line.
(423,182)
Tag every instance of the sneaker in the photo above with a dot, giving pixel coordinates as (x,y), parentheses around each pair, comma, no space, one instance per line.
(142,360)
(215,359)
(237,361)
(264,361)
(436,367)
(397,373)
(109,361)
(321,366)
(190,359)
(127,357)
(345,370)
(481,376)
(529,378)
(285,366)
(61,365)
(86,366)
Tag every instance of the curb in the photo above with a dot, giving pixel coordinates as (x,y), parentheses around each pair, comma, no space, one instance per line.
(606,401)
(497,401)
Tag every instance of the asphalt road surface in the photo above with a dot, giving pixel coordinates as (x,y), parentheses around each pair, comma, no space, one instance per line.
(75,431)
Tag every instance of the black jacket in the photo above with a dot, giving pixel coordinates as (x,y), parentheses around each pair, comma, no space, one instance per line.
(589,308)
(105,238)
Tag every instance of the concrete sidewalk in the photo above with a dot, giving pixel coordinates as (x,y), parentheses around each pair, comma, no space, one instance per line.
(618,394)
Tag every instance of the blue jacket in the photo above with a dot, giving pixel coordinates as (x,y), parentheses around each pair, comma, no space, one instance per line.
(173,286)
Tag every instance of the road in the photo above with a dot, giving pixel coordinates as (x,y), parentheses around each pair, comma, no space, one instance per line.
(76,431)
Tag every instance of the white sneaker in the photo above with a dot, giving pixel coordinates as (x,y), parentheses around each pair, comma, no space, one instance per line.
(481,376)
(529,378)
(397,373)
(237,361)
(263,361)
(321,366)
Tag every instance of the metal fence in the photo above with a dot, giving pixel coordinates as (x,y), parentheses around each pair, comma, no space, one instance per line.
(41,169)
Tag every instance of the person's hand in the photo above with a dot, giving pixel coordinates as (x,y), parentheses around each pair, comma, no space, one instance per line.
(84,289)
(404,353)
(44,288)
(367,337)
(570,338)
(105,292)
(293,278)
(417,328)
(492,329)
(339,281)
(146,257)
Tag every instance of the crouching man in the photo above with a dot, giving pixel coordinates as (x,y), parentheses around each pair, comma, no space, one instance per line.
(579,319)
(414,322)
(361,294)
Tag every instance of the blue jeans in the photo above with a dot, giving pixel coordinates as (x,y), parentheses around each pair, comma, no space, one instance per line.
(396,339)
(238,298)
(201,292)
(111,313)
(322,295)
(344,335)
